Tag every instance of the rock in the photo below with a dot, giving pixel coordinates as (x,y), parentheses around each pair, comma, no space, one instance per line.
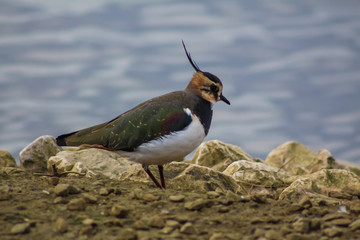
(301,225)
(333,232)
(323,183)
(4,192)
(336,180)
(156,222)
(128,234)
(212,194)
(185,176)
(140,225)
(177,198)
(105,191)
(76,204)
(172,223)
(297,159)
(91,162)
(217,236)
(355,225)
(89,221)
(218,155)
(61,225)
(167,230)
(188,228)
(35,155)
(197,204)
(64,189)
(305,202)
(20,228)
(256,173)
(59,200)
(199,178)
(89,198)
(118,211)
(149,197)
(6,159)
(342,222)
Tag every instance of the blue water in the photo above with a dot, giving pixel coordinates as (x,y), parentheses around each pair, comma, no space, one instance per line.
(291,69)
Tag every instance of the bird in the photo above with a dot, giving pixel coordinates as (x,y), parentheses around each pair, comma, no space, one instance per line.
(158,131)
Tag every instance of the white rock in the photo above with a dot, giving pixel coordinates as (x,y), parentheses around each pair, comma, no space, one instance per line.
(218,155)
(35,155)
(256,173)
(91,162)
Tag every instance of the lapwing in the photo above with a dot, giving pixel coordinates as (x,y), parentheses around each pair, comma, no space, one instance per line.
(160,130)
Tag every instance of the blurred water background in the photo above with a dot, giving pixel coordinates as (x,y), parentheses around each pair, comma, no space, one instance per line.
(291,69)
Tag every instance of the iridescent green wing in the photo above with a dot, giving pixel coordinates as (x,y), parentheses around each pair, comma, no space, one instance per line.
(145,123)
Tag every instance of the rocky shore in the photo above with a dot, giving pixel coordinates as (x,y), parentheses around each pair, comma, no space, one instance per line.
(222,193)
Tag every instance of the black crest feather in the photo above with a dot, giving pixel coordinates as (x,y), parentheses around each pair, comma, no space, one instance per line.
(193,63)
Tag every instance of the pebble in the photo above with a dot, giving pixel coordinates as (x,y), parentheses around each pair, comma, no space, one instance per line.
(305,202)
(177,198)
(20,228)
(105,191)
(118,211)
(217,236)
(137,193)
(89,198)
(188,228)
(156,222)
(149,197)
(76,204)
(232,196)
(197,204)
(332,216)
(167,230)
(89,221)
(128,234)
(61,225)
(140,225)
(212,194)
(223,209)
(333,232)
(58,200)
(172,223)
(355,225)
(62,189)
(4,192)
(301,225)
(343,222)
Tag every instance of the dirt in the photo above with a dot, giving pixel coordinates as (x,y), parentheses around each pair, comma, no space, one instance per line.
(42,207)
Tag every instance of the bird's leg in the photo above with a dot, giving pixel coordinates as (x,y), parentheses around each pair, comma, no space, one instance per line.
(161,172)
(147,170)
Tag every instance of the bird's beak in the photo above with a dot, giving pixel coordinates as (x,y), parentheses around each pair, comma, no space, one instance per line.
(222,98)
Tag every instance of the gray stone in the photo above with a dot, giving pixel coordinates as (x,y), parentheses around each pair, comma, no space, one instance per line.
(156,222)
(6,159)
(188,228)
(197,204)
(76,204)
(355,225)
(218,155)
(256,173)
(91,162)
(297,159)
(4,192)
(177,198)
(89,198)
(34,156)
(119,211)
(20,228)
(61,225)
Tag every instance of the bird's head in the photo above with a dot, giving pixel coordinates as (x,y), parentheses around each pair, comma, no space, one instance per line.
(205,84)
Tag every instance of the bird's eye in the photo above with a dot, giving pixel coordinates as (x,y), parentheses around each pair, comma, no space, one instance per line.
(214,88)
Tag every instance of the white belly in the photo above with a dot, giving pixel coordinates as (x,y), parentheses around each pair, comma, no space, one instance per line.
(170,148)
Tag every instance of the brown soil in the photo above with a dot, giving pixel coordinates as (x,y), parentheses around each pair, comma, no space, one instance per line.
(31,208)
